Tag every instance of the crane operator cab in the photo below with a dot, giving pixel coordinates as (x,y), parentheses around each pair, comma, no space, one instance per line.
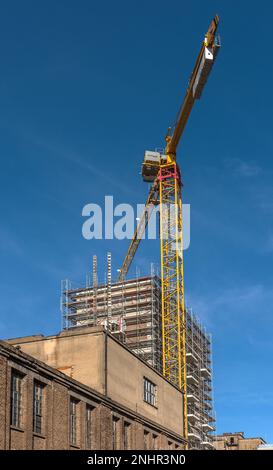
(151,164)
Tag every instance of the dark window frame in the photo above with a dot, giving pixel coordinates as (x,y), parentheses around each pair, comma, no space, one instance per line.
(16,399)
(127,435)
(155,441)
(115,421)
(73,415)
(88,426)
(150,392)
(38,398)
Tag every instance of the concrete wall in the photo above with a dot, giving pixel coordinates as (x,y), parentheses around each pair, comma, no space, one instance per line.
(80,356)
(125,373)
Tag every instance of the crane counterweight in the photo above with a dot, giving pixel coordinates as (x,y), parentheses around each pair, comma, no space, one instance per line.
(151,165)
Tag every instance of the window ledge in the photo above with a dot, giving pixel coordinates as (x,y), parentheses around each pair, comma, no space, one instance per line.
(15,428)
(75,446)
(150,404)
(37,434)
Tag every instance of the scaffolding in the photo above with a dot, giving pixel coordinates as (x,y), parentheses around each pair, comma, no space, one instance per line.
(131,310)
(199,384)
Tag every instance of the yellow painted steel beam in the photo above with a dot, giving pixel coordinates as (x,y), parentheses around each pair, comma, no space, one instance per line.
(172,140)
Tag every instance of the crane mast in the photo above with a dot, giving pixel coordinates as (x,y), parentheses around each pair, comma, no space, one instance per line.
(164,172)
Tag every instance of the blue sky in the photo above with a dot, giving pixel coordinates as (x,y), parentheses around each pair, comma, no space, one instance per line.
(85,89)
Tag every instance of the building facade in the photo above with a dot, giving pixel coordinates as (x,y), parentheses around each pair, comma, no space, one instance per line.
(132,311)
(237,441)
(97,395)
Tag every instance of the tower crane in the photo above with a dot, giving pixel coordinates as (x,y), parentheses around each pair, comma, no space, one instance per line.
(163,172)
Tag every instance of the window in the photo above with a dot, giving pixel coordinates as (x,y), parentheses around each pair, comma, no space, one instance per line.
(88,422)
(154,442)
(127,436)
(37,407)
(115,432)
(170,445)
(149,392)
(146,440)
(16,399)
(73,421)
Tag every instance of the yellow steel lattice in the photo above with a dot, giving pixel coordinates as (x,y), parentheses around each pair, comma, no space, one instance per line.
(172,278)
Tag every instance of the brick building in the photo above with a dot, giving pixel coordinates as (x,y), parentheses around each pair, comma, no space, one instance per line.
(237,441)
(88,392)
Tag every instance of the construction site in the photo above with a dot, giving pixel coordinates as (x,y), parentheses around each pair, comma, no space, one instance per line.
(132,366)
(148,313)
(131,311)
(136,238)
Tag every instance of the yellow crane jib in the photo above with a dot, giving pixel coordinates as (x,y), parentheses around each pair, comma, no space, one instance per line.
(203,65)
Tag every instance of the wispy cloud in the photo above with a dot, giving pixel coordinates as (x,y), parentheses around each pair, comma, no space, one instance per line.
(258,344)
(226,302)
(10,244)
(245,398)
(55,148)
(243,168)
